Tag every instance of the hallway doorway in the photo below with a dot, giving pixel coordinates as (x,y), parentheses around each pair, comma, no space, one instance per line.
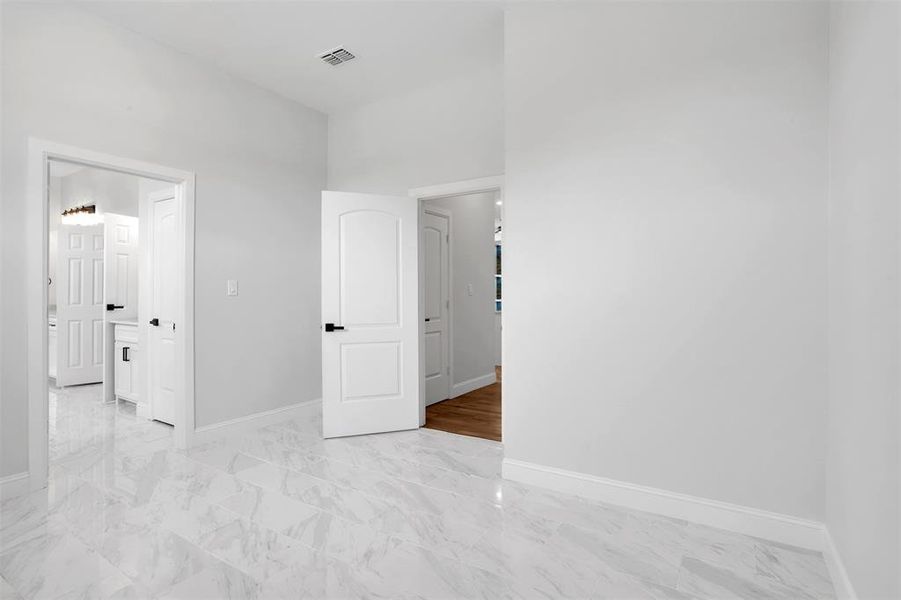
(461,229)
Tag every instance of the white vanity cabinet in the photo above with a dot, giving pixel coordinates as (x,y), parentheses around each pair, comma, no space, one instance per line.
(126,355)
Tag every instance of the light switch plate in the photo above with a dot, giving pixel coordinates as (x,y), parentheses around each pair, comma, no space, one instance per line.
(231,287)
(469,289)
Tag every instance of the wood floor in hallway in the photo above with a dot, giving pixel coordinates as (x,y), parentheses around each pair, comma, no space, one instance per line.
(476,414)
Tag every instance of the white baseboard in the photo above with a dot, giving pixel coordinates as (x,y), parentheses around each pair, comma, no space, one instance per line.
(840,580)
(209,433)
(14,485)
(723,515)
(464,387)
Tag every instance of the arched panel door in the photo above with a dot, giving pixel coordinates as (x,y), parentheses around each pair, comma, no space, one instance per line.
(370,329)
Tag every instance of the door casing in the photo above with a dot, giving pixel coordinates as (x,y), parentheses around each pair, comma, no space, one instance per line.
(40,152)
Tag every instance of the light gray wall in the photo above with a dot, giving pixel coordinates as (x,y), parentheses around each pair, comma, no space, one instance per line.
(472,236)
(863,470)
(664,246)
(260,165)
(109,191)
(442,133)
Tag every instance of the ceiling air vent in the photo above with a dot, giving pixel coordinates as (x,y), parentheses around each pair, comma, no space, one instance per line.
(336,57)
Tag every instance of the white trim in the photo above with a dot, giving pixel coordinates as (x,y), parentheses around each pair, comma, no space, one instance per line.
(208,433)
(14,485)
(464,387)
(723,515)
(840,580)
(458,188)
(36,223)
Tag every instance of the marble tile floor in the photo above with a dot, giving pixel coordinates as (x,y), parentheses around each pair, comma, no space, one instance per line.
(279,513)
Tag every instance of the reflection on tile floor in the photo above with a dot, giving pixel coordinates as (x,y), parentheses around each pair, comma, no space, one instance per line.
(280,513)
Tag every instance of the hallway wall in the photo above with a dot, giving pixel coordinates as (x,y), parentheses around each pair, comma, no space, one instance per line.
(665,235)
(863,470)
(472,234)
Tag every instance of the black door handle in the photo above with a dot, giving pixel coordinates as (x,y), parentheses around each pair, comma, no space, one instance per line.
(125,354)
(155,322)
(332,327)
(113,306)
(427,320)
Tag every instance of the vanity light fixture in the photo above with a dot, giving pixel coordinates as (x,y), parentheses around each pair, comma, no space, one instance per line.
(82,215)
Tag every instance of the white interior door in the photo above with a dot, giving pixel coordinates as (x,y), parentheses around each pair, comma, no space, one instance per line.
(120,288)
(370,306)
(79,305)
(436,307)
(163,297)
(121,258)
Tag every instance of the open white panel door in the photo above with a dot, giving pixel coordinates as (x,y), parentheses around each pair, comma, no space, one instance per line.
(370,306)
(121,256)
(79,305)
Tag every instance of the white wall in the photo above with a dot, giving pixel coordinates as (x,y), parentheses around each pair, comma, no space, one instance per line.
(863,506)
(442,133)
(256,157)
(472,241)
(664,233)
(109,191)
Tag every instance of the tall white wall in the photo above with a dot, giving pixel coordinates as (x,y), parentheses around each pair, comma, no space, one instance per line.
(445,132)
(473,256)
(260,165)
(664,244)
(863,506)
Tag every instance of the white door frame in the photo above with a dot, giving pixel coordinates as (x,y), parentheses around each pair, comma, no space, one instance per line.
(40,152)
(448,190)
(450,290)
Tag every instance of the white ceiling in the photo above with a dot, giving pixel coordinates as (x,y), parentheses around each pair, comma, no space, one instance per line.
(399,45)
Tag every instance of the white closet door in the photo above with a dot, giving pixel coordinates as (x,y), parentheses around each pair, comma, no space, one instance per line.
(436,285)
